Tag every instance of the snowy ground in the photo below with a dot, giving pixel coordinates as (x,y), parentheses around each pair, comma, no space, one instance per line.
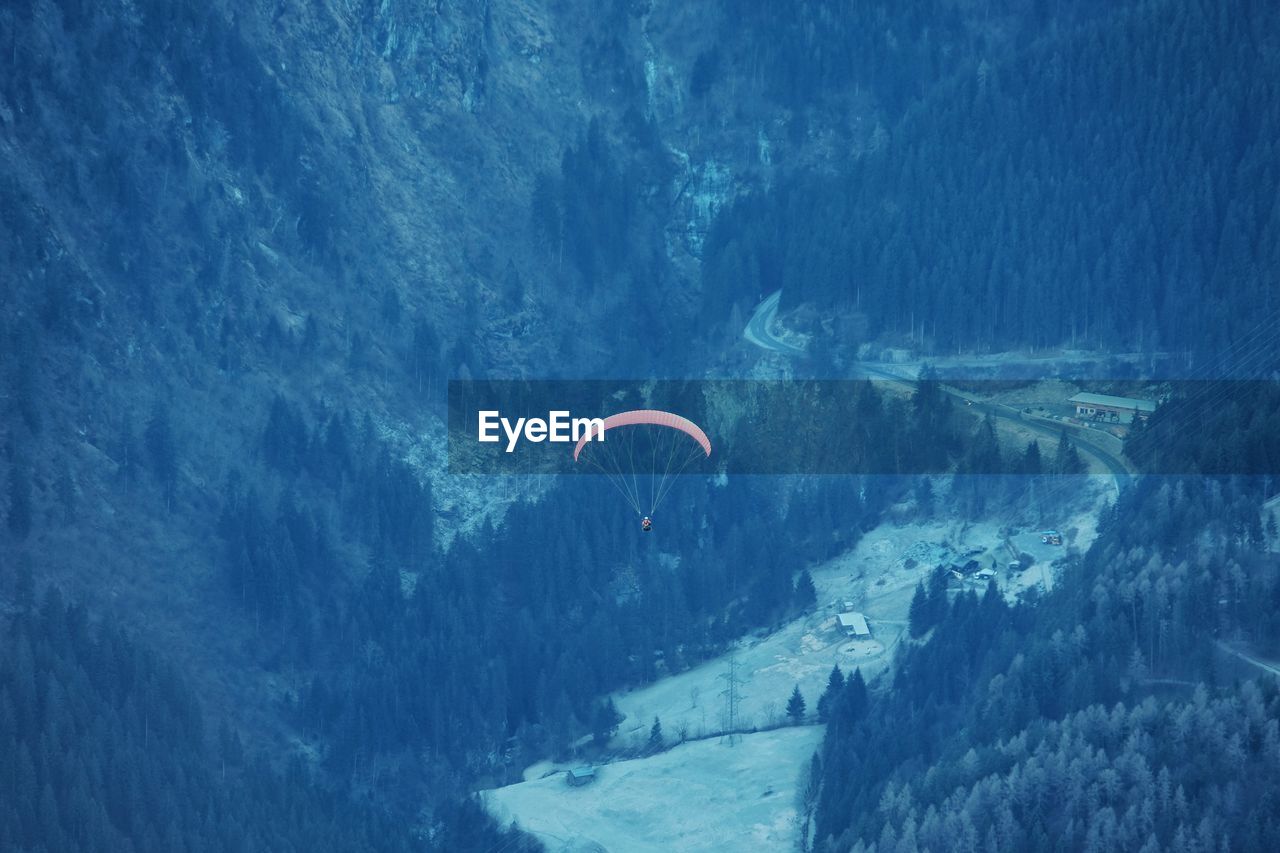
(680,800)
(802,652)
(698,796)
(879,576)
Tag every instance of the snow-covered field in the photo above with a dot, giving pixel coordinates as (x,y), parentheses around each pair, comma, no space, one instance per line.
(803,651)
(705,795)
(879,576)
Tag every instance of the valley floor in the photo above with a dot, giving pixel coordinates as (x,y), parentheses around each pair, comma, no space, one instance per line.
(706,795)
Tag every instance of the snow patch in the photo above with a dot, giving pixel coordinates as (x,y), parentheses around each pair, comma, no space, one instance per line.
(703,796)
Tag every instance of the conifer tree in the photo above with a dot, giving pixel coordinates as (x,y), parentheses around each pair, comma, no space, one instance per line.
(919,612)
(1067,459)
(805,594)
(831,695)
(1031,462)
(795,706)
(655,736)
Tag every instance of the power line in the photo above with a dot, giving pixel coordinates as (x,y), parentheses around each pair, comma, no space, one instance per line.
(732,680)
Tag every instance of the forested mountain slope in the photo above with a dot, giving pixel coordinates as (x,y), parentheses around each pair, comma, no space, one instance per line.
(1102,716)
(105,749)
(1111,185)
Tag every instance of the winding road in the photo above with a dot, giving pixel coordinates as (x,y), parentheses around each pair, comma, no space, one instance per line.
(759,332)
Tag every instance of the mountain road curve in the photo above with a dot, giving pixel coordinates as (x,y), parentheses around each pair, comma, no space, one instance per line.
(758,331)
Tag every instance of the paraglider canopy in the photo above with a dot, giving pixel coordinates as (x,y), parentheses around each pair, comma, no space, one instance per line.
(652,417)
(641,452)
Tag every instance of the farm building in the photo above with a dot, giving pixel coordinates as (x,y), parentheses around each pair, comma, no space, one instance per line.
(854,624)
(1104,407)
(960,571)
(579,776)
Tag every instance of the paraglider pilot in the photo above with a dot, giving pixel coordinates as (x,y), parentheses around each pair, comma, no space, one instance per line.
(645,524)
